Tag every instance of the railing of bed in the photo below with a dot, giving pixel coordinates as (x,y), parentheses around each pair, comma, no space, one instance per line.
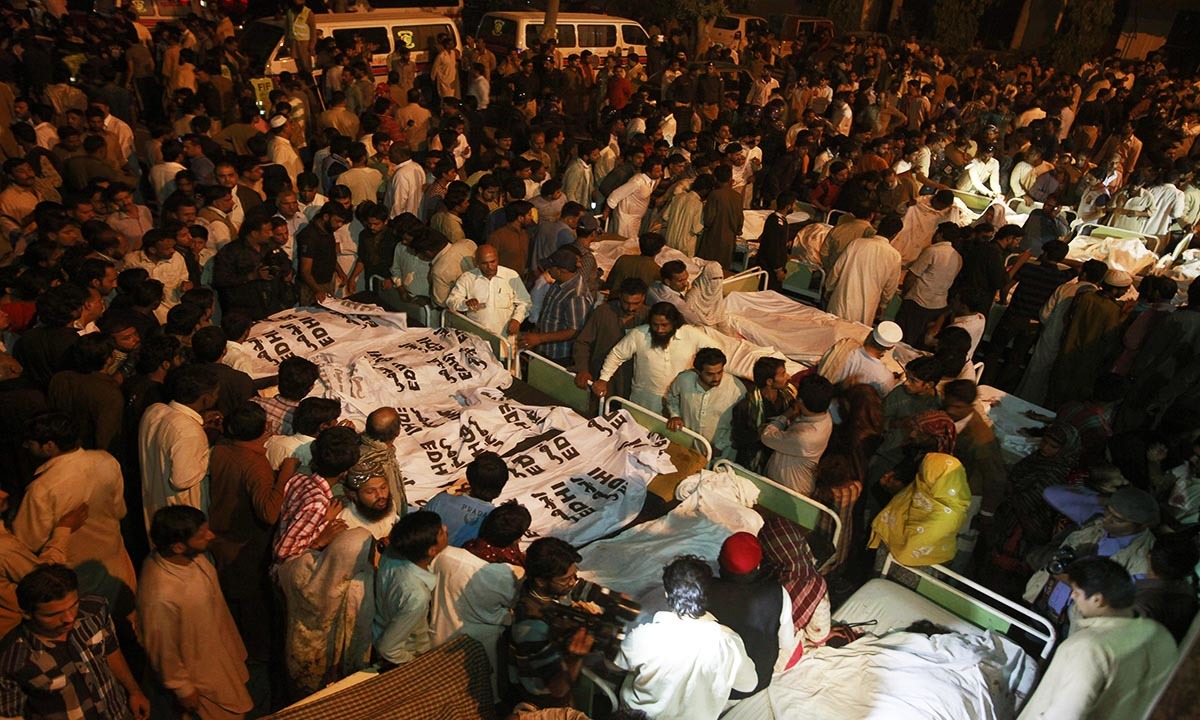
(656,423)
(425,315)
(976,604)
(747,281)
(1097,230)
(556,381)
(501,346)
(975,203)
(790,505)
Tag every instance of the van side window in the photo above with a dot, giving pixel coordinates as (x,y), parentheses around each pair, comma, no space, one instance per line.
(376,36)
(596,35)
(565,34)
(725,23)
(634,35)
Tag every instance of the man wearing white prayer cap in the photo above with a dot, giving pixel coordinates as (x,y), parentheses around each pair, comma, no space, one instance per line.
(849,363)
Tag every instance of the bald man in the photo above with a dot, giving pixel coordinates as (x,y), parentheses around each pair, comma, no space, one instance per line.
(492,295)
(378,442)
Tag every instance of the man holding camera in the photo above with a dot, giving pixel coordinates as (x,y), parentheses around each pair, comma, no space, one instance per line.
(548,661)
(247,272)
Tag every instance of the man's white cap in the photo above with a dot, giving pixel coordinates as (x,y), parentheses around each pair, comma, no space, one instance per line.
(278,121)
(887,334)
(1118,278)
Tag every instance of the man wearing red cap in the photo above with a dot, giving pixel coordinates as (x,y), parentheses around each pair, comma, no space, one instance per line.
(684,665)
(755,606)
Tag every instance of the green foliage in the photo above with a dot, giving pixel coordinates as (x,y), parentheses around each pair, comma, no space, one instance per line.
(1087,23)
(956,22)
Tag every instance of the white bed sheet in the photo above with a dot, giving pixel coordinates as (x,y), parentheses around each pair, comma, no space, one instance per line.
(607,252)
(1128,254)
(714,506)
(1009,421)
(801,332)
(971,674)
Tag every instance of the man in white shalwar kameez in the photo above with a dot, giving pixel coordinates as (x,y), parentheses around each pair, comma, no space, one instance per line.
(660,350)
(472,597)
(445,71)
(631,201)
(68,478)
(921,221)
(185,625)
(866,276)
(1169,205)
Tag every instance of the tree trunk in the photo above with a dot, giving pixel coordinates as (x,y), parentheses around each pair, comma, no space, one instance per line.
(703,30)
(550,24)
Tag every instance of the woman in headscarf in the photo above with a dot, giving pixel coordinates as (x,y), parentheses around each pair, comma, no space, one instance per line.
(330,596)
(920,525)
(995,215)
(706,298)
(1024,521)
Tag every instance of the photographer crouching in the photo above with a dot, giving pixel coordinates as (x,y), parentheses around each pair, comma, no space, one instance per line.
(555,627)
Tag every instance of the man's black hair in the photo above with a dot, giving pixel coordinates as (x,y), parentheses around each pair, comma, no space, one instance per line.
(413,535)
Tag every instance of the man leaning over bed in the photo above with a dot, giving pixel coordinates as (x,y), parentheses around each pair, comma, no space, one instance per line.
(1113,664)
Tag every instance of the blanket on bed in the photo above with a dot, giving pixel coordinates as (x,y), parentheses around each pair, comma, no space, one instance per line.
(900,676)
(714,506)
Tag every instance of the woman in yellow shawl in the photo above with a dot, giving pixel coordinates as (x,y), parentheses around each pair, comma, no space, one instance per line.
(920,525)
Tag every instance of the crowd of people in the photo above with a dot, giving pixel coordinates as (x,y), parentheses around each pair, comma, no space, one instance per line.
(154,208)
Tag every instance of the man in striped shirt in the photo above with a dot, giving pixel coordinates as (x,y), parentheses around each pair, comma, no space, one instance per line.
(308,519)
(566,308)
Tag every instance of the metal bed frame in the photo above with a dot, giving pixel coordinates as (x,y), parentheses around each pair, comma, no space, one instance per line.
(656,423)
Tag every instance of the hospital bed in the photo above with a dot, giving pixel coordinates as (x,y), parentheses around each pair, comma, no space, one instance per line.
(656,423)
(1133,252)
(555,381)
(909,676)
(746,245)
(746,281)
(791,505)
(426,315)
(977,204)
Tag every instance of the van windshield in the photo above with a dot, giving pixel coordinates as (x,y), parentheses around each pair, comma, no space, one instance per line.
(257,41)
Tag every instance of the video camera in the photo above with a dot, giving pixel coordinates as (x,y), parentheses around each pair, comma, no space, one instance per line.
(604,613)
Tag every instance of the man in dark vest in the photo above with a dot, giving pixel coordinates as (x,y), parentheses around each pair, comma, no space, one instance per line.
(750,602)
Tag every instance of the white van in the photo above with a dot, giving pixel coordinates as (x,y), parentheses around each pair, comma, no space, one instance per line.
(263,40)
(505,31)
(731,31)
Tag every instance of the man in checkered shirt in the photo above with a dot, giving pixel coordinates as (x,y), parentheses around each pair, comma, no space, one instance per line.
(296,379)
(307,519)
(63,661)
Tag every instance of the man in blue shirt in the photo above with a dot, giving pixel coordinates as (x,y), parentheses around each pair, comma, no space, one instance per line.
(463,514)
(404,588)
